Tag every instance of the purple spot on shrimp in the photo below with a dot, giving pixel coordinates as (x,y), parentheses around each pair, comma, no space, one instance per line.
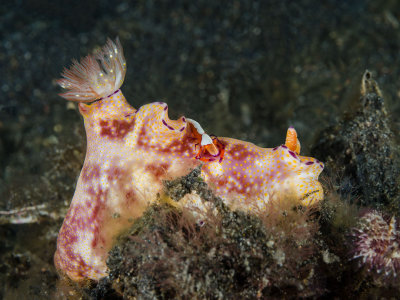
(275,149)
(166,107)
(216,155)
(309,163)
(292,154)
(182,129)
(284,146)
(183,119)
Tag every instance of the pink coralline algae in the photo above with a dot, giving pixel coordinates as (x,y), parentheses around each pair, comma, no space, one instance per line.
(131,151)
(377,246)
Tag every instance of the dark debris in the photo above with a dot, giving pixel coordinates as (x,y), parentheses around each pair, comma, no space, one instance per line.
(362,153)
(166,254)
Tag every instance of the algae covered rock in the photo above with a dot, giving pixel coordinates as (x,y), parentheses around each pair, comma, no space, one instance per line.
(361,151)
(168,254)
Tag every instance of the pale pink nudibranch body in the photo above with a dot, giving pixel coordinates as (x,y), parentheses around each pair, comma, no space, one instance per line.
(130,152)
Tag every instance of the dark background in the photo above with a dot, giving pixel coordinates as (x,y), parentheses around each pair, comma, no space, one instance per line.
(244,69)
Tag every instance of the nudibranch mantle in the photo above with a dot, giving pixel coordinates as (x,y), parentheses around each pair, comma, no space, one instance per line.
(130,152)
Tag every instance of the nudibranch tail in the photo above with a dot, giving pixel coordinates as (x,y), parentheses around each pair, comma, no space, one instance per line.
(96,76)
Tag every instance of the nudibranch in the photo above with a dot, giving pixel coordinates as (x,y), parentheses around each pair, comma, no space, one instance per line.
(131,151)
